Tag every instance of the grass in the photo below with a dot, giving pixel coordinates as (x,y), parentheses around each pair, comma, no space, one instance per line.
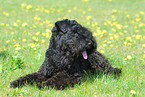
(117,25)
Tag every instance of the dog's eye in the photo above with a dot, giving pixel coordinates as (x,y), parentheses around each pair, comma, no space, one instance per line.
(75,33)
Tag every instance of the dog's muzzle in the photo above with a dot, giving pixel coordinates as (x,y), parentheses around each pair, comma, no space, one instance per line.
(89,48)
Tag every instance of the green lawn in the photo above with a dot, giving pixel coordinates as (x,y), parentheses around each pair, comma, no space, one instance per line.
(117,25)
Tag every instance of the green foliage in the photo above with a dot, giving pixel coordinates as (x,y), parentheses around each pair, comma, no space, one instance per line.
(17,62)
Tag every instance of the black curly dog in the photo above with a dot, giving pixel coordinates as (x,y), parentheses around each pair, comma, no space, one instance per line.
(71,53)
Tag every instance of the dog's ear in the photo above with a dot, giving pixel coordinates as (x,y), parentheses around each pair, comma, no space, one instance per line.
(62,25)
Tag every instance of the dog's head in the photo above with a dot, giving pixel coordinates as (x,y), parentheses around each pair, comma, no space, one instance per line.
(72,39)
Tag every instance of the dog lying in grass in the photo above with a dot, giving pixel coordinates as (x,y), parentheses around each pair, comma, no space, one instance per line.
(71,53)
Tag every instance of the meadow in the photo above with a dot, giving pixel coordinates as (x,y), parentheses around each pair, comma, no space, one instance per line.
(117,25)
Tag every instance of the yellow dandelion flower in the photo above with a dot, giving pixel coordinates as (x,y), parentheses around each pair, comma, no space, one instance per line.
(31,45)
(93,25)
(47,35)
(101,35)
(133,92)
(47,11)
(42,41)
(114,20)
(24,24)
(141,25)
(129,44)
(119,26)
(105,23)
(143,45)
(2,24)
(24,40)
(29,7)
(16,45)
(125,58)
(17,48)
(88,23)
(85,0)
(5,49)
(111,45)
(111,38)
(104,45)
(144,56)
(69,10)
(102,51)
(138,19)
(14,40)
(89,9)
(114,30)
(18,21)
(7,25)
(50,25)
(84,12)
(128,15)
(88,17)
(126,26)
(94,34)
(64,17)
(105,41)
(125,31)
(37,33)
(23,5)
(128,38)
(125,43)
(109,42)
(30,34)
(104,31)
(112,16)
(38,18)
(12,32)
(110,0)
(34,38)
(34,26)
(141,12)
(6,14)
(120,33)
(75,8)
(136,31)
(34,49)
(138,36)
(43,34)
(48,30)
(7,41)
(114,10)
(110,34)
(37,45)
(96,23)
(129,57)
(15,24)
(132,21)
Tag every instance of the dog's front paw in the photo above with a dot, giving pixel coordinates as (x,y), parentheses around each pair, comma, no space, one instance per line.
(14,84)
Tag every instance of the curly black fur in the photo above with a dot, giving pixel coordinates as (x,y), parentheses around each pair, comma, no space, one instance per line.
(72,51)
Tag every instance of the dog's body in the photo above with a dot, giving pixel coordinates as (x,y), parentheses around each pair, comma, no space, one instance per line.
(72,51)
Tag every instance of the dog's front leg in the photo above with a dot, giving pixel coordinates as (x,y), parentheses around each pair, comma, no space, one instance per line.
(61,80)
